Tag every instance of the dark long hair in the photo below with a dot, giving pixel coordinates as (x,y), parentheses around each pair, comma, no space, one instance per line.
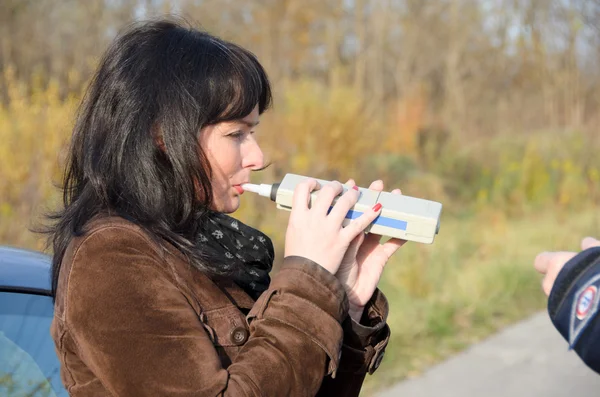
(159,77)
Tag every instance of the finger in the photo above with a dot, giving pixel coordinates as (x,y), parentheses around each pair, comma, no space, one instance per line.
(376,185)
(301,196)
(371,241)
(359,224)
(551,263)
(369,245)
(396,191)
(589,242)
(344,204)
(355,246)
(542,261)
(351,182)
(547,284)
(556,261)
(326,196)
(357,242)
(392,245)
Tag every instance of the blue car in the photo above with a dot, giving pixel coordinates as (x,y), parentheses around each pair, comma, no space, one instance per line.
(28,362)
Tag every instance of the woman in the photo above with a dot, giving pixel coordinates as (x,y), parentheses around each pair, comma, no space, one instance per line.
(157,290)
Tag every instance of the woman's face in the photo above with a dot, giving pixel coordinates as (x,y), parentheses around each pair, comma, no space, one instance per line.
(233,153)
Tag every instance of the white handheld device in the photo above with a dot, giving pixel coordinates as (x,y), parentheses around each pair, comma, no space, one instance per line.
(403,217)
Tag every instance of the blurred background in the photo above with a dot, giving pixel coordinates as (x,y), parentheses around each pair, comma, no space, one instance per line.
(488,106)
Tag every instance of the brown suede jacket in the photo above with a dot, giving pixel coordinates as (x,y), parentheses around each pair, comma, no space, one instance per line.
(132,319)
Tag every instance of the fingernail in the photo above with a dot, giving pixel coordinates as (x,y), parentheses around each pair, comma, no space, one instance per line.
(377,207)
(355,187)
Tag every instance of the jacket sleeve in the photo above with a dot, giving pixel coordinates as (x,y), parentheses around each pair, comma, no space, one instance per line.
(362,350)
(573,305)
(138,334)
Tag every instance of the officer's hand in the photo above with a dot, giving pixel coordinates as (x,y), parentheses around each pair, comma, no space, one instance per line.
(551,263)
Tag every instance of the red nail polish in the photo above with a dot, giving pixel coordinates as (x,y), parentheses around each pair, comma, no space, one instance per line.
(377,207)
(355,187)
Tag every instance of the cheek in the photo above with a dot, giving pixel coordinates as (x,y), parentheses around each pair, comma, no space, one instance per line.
(227,159)
(225,163)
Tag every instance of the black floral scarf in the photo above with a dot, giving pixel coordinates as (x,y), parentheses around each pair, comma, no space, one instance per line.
(240,250)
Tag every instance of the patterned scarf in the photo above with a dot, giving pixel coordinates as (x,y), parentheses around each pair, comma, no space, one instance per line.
(240,250)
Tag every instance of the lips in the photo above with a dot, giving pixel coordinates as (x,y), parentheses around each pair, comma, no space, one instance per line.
(239,189)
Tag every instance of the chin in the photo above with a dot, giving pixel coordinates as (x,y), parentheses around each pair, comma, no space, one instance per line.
(229,206)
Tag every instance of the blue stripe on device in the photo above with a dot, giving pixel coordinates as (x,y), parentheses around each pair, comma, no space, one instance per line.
(380,220)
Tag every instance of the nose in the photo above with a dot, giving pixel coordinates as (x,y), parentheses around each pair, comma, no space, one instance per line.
(252,156)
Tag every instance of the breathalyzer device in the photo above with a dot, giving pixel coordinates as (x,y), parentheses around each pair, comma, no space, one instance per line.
(404,217)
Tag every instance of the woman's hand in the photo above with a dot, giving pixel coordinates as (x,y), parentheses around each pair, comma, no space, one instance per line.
(551,263)
(317,233)
(363,264)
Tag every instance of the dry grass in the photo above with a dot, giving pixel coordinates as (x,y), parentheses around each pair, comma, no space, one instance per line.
(477,277)
(504,201)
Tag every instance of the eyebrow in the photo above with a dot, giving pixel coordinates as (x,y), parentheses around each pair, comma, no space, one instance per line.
(249,124)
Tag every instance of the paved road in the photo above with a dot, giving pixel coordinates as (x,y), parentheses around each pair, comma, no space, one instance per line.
(524,360)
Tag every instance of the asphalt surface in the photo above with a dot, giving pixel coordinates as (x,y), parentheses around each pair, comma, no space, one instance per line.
(524,360)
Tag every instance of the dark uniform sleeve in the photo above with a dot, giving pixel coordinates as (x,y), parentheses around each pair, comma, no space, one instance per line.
(573,305)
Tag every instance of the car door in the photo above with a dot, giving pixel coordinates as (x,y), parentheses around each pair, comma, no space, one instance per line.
(28,362)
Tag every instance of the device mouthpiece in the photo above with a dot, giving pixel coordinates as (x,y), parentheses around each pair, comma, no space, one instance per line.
(250,187)
(263,189)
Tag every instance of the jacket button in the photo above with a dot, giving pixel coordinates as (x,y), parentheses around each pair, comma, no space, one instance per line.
(239,335)
(378,361)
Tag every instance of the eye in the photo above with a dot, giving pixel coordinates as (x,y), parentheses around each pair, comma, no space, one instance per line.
(237,135)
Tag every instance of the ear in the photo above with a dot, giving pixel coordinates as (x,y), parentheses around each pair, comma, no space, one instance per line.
(158,138)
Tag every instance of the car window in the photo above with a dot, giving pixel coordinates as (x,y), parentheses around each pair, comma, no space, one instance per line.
(29,366)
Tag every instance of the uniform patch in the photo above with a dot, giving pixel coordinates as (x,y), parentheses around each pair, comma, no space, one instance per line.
(585,302)
(585,306)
